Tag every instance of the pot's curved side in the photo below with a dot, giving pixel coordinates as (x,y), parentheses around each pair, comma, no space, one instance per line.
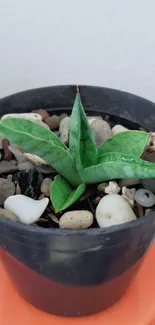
(95,99)
(76,273)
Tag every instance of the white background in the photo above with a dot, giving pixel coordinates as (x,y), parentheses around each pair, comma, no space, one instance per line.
(97,42)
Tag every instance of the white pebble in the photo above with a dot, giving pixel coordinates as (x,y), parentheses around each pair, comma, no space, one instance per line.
(129,195)
(26,209)
(18,154)
(113,210)
(25,116)
(112,188)
(64,129)
(34,159)
(145,198)
(119,128)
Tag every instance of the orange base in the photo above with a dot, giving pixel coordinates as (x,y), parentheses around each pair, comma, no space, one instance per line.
(137,307)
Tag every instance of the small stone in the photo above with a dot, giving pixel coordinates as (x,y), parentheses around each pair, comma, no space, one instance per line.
(53,121)
(10,177)
(17,154)
(8,214)
(153,138)
(76,220)
(113,210)
(27,165)
(62,116)
(101,187)
(7,188)
(118,128)
(64,130)
(128,182)
(42,124)
(145,198)
(45,186)
(25,116)
(44,114)
(147,211)
(112,188)
(94,118)
(7,152)
(53,218)
(26,209)
(56,133)
(45,169)
(149,156)
(34,159)
(101,131)
(149,184)
(8,166)
(129,195)
(41,196)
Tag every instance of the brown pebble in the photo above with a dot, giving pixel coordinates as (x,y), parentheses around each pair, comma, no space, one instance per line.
(8,214)
(81,219)
(45,186)
(139,209)
(44,114)
(7,153)
(101,187)
(53,121)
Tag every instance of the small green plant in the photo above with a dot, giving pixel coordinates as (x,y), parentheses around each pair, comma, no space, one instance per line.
(82,163)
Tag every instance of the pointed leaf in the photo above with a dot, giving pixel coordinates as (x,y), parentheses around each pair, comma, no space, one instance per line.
(82,143)
(40,141)
(131,143)
(116,165)
(62,194)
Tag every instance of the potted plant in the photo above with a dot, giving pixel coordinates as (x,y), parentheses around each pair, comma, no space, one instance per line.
(80,262)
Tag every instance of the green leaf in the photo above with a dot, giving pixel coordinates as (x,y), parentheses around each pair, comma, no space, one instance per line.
(62,195)
(116,165)
(42,142)
(82,143)
(131,143)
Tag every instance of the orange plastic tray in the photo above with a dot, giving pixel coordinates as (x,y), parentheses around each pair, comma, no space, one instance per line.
(137,307)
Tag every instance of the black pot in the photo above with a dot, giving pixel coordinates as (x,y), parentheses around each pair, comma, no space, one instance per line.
(76,273)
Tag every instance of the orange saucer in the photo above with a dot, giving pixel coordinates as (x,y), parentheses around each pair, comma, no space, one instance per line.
(137,307)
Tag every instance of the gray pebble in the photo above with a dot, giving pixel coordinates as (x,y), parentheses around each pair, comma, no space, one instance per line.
(7,188)
(149,184)
(101,131)
(145,198)
(27,165)
(7,167)
(45,169)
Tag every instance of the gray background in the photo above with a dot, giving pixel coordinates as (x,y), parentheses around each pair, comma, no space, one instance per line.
(97,42)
